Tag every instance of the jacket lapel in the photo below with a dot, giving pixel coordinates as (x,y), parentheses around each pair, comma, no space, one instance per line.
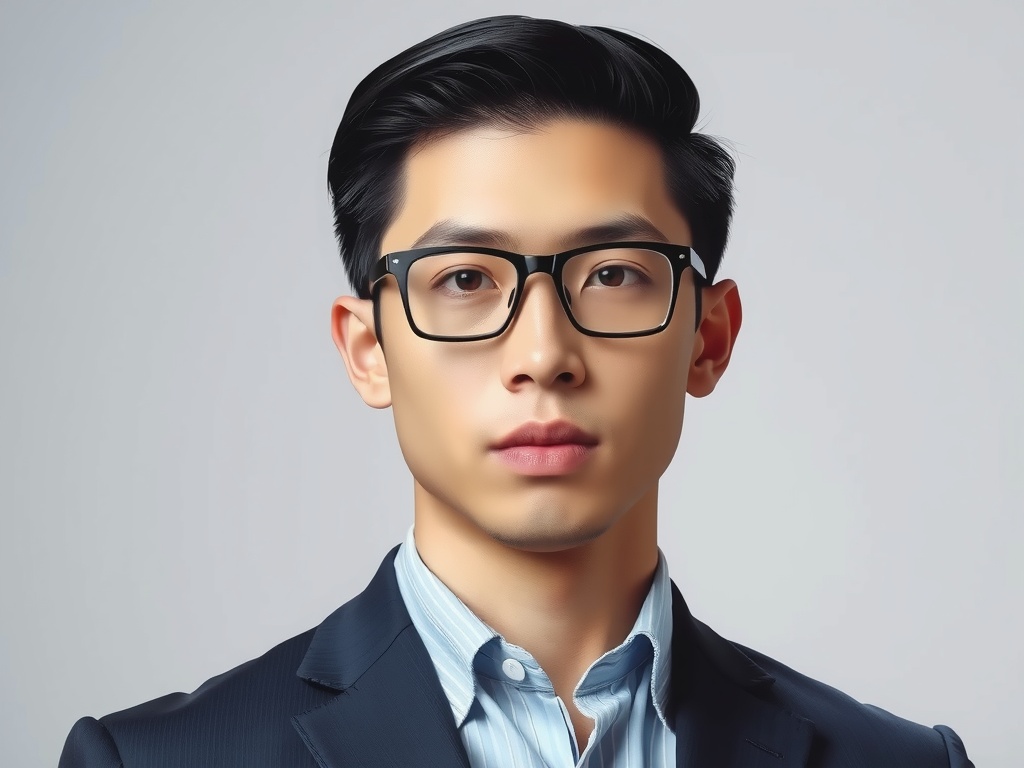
(390,709)
(724,711)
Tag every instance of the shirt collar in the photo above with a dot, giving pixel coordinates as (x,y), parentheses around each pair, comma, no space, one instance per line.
(454,635)
(655,621)
(451,632)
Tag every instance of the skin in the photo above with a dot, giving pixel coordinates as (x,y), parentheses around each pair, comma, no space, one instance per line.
(558,565)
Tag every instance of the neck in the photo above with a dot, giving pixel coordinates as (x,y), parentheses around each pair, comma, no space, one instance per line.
(565,607)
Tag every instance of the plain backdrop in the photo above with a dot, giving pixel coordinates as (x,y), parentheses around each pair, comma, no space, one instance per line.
(188,477)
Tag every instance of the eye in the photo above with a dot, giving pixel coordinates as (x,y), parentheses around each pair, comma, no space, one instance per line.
(615,276)
(465,281)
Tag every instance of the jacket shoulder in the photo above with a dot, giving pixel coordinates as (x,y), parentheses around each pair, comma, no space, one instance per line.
(240,717)
(849,732)
(89,745)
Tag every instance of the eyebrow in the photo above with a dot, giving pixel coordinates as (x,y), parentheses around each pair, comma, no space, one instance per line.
(627,226)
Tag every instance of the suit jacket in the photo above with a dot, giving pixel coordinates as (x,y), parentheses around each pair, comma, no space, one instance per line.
(360,690)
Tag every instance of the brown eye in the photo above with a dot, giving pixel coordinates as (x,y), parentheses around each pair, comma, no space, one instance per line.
(465,281)
(611,276)
(468,280)
(615,276)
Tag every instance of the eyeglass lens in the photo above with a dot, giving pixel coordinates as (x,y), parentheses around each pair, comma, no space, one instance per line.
(623,290)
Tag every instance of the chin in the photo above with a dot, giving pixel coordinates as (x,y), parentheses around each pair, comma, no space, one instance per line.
(545,533)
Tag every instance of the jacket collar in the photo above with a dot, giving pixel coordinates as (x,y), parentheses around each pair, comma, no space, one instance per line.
(725,710)
(356,635)
(391,710)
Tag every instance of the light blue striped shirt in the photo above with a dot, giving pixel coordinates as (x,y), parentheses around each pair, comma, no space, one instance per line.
(504,704)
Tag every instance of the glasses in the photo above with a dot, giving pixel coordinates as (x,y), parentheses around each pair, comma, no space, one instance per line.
(462,293)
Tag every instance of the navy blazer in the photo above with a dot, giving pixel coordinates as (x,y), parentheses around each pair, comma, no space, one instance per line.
(360,690)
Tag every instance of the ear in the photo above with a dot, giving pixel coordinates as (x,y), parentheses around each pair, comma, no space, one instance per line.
(713,343)
(353,330)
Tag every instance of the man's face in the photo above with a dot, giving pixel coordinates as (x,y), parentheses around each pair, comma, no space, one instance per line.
(453,401)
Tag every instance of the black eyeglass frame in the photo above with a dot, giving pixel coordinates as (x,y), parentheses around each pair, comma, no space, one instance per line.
(398,264)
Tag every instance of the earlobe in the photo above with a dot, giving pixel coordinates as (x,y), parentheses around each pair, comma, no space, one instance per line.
(352,327)
(715,338)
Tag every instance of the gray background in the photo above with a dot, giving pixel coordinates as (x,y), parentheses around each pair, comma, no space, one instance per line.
(188,478)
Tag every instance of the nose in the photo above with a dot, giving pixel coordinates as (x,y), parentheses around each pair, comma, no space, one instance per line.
(541,345)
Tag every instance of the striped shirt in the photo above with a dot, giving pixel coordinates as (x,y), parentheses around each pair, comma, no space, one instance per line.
(504,704)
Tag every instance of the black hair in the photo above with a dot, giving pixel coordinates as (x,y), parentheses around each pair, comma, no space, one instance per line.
(519,72)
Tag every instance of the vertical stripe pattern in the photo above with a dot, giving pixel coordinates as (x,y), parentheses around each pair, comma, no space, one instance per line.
(504,704)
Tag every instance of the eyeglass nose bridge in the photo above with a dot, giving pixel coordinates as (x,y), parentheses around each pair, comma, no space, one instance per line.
(535,264)
(539,265)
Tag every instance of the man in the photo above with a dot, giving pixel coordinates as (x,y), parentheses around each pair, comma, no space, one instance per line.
(533,231)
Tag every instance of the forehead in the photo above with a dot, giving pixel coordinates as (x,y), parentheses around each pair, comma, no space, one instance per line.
(536,186)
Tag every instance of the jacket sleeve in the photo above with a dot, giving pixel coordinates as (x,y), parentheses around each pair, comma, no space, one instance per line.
(90,745)
(954,748)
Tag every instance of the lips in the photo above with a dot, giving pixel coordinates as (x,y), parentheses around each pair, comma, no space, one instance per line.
(557,432)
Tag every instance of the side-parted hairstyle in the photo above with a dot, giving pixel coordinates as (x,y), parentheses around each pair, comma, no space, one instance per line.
(519,72)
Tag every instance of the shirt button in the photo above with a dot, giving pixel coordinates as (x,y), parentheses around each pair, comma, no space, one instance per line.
(513,669)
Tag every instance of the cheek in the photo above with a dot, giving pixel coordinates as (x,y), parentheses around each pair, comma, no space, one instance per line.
(436,400)
(652,387)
